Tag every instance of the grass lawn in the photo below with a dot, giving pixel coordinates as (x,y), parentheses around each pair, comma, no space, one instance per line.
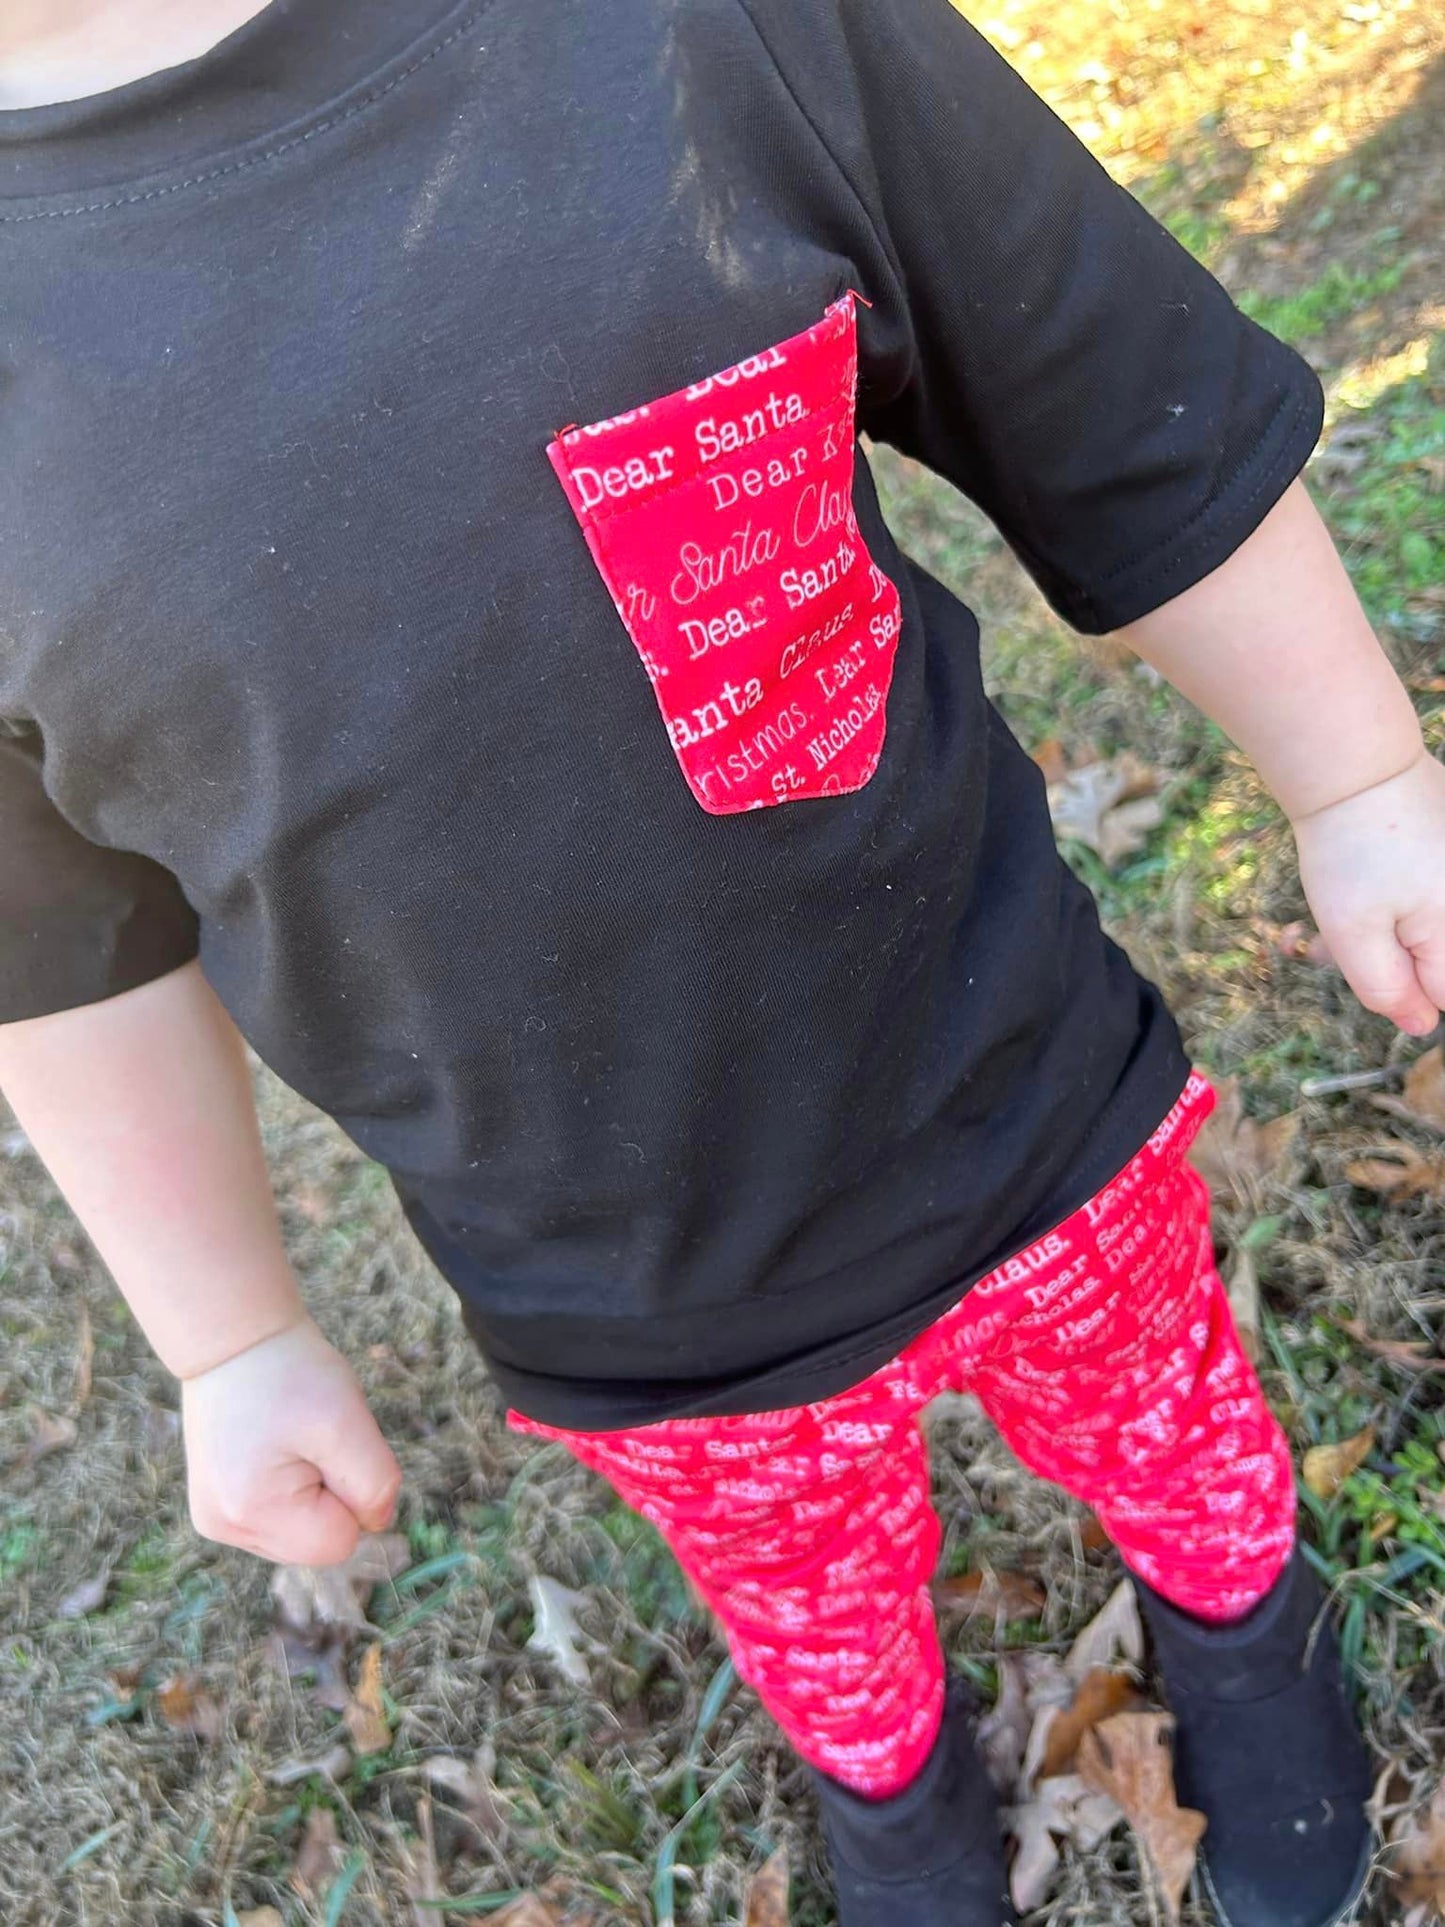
(153,1752)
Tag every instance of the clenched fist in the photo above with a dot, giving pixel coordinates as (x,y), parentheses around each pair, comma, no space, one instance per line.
(283,1457)
(1373,869)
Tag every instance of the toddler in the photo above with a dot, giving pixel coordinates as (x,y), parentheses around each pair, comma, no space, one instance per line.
(448,638)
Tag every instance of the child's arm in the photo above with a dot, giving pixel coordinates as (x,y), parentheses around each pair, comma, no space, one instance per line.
(140,1106)
(1273,644)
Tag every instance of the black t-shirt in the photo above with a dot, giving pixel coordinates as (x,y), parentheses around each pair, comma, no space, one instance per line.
(320,659)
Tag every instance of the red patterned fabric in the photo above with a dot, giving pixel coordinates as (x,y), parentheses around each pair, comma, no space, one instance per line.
(1107,1357)
(721,519)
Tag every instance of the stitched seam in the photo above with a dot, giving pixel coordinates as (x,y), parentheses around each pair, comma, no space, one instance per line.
(844,1358)
(272,154)
(1290,409)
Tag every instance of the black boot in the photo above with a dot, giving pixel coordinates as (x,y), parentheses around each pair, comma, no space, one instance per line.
(930,1856)
(1268,1749)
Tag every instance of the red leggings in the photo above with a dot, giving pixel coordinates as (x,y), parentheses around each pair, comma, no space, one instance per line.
(1107,1357)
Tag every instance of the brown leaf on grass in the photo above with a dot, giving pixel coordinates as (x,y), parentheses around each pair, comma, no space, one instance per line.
(420,1875)
(85,1597)
(1410,1354)
(1422,1095)
(1243,1291)
(48,1434)
(1410,1174)
(1010,1593)
(365,1712)
(529,1911)
(187,1708)
(470,1783)
(319,1857)
(313,1599)
(1102,1693)
(1326,1467)
(1057,1688)
(1059,1809)
(1108,806)
(260,1917)
(1092,1535)
(1116,1630)
(1128,1758)
(1003,1732)
(1417,1857)
(1235,1154)
(321,1654)
(1052,759)
(765,1903)
(331,1765)
(84,1355)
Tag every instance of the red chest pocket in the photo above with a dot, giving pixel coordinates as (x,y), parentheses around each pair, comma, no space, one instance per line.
(721,518)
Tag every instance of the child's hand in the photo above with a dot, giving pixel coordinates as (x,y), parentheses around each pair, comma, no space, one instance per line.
(1373,869)
(283,1457)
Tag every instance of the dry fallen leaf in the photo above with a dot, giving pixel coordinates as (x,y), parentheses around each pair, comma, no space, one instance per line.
(85,1597)
(1417,1858)
(1411,1354)
(322,1654)
(48,1434)
(1108,806)
(186,1708)
(1407,1173)
(471,1784)
(421,1876)
(1010,1593)
(1326,1467)
(260,1917)
(332,1765)
(1422,1096)
(1115,1630)
(1060,1809)
(766,1901)
(1102,1693)
(318,1859)
(1235,1154)
(1128,1758)
(1003,1731)
(1032,1735)
(1052,759)
(310,1599)
(1243,1291)
(529,1911)
(555,1629)
(1092,1535)
(365,1713)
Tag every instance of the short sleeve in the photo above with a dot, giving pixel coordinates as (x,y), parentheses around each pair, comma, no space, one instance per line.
(1044,342)
(78,921)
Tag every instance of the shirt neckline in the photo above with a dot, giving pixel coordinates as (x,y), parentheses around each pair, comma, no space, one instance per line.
(286,66)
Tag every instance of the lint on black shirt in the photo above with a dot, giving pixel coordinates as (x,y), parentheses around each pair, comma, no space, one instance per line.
(440,586)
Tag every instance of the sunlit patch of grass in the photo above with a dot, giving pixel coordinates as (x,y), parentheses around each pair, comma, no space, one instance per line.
(1340,291)
(1390,522)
